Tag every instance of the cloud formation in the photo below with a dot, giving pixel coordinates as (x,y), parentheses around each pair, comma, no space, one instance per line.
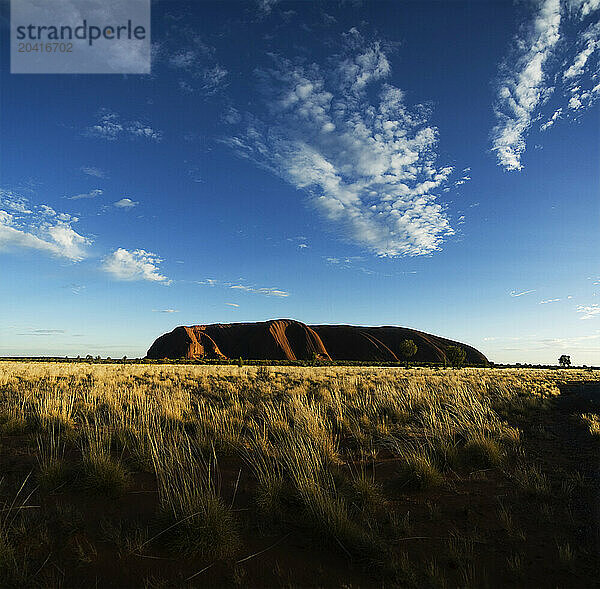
(556,54)
(270,292)
(134,265)
(184,52)
(93,171)
(589,311)
(523,86)
(266,291)
(111,127)
(126,203)
(39,227)
(348,139)
(91,194)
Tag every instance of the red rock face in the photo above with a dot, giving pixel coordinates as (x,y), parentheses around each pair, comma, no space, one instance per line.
(286,339)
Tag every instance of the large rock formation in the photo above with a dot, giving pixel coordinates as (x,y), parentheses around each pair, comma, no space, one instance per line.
(286,339)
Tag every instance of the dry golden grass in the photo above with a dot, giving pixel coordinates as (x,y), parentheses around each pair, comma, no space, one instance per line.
(298,429)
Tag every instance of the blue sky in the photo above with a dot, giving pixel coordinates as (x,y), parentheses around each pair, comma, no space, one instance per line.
(426,164)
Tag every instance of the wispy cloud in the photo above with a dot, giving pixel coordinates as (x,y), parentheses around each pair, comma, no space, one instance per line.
(91,194)
(270,292)
(556,53)
(134,265)
(111,127)
(165,310)
(300,241)
(267,291)
(232,305)
(589,311)
(341,133)
(93,171)
(126,203)
(545,302)
(514,293)
(523,84)
(555,116)
(39,227)
(75,288)
(43,332)
(186,53)
(266,6)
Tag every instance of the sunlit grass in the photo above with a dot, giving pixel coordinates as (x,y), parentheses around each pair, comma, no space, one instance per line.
(309,439)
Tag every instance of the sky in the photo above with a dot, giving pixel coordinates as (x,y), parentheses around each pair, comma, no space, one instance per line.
(432,165)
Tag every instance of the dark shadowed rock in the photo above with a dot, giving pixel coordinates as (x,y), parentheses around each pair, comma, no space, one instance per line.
(286,339)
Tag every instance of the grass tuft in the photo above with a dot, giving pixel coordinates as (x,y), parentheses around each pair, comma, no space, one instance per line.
(105,475)
(481,453)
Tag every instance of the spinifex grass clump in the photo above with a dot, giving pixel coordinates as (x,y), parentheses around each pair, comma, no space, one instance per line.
(480,453)
(198,521)
(532,481)
(53,471)
(592,421)
(101,472)
(416,469)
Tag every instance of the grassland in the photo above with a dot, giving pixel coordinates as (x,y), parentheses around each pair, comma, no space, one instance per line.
(194,476)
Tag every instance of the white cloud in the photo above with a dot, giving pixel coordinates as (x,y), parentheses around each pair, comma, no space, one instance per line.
(93,171)
(232,305)
(267,291)
(266,6)
(557,54)
(212,79)
(91,194)
(14,202)
(514,293)
(39,227)
(126,203)
(551,120)
(111,127)
(549,301)
(523,88)
(589,311)
(366,159)
(165,310)
(134,265)
(184,51)
(577,68)
(584,7)
(231,116)
(270,292)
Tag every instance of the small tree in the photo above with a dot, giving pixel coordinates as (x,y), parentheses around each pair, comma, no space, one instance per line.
(564,361)
(456,356)
(408,349)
